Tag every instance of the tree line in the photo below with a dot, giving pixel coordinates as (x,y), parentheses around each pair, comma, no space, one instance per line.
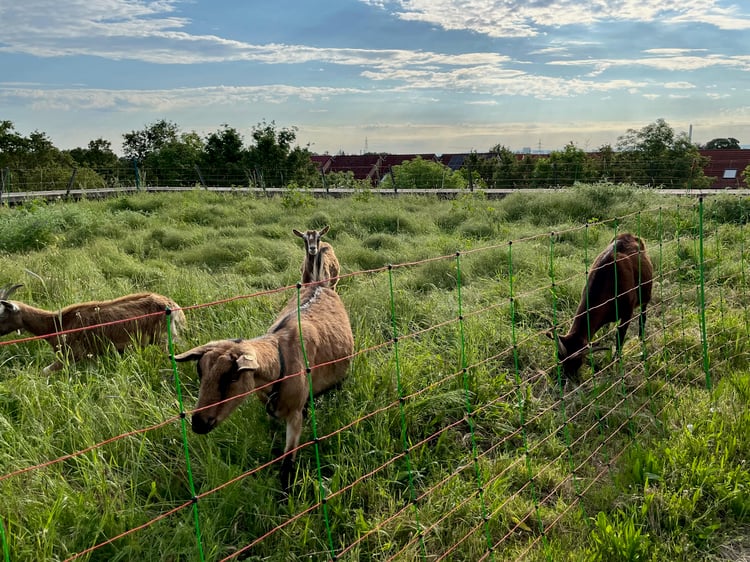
(161,154)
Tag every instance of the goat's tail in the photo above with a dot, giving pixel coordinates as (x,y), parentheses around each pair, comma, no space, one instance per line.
(179,322)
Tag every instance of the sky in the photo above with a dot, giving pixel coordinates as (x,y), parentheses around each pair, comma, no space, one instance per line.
(402,76)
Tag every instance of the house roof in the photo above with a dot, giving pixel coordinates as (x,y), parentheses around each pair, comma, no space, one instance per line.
(726,166)
(363,166)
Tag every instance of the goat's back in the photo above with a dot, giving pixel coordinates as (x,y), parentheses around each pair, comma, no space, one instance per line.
(326,332)
(619,270)
(127,318)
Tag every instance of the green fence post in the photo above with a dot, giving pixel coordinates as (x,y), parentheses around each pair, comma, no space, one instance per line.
(469,412)
(702,295)
(137,174)
(183,428)
(522,399)
(402,414)
(314,423)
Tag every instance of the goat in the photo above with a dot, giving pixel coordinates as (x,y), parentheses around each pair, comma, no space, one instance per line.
(620,280)
(273,365)
(320,261)
(145,327)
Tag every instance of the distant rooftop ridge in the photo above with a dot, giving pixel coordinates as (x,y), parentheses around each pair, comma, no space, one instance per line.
(725,164)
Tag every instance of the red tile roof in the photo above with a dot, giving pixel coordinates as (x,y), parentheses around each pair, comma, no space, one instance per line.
(725,166)
(725,163)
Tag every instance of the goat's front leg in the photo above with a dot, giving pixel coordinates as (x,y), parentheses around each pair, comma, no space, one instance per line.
(293,433)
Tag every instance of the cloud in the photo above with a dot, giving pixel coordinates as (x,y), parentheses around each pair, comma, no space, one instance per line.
(524,18)
(164,100)
(150,32)
(153,32)
(679,85)
(497,81)
(679,61)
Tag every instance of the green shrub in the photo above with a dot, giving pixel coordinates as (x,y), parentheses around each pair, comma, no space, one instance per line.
(728,209)
(143,203)
(478,230)
(387,222)
(381,241)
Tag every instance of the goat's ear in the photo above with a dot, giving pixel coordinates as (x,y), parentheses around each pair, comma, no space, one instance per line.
(324,230)
(7,306)
(298,233)
(193,354)
(247,362)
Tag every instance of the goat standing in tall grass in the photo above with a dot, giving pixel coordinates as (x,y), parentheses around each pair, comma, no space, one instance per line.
(131,319)
(320,262)
(273,366)
(618,283)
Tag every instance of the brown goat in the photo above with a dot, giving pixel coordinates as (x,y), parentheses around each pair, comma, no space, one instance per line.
(274,366)
(612,293)
(80,344)
(320,262)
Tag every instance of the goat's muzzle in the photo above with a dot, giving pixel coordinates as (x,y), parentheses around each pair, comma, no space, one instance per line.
(203,425)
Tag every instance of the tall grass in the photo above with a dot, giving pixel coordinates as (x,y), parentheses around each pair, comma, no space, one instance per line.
(639,460)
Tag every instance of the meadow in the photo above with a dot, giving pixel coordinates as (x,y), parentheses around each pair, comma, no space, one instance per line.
(455,436)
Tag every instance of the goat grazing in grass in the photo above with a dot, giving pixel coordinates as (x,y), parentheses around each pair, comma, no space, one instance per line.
(619,282)
(273,365)
(143,328)
(320,261)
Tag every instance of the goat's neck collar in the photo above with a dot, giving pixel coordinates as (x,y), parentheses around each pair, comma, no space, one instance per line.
(282,364)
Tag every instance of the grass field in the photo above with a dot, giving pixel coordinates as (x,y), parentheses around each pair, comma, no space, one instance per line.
(460,442)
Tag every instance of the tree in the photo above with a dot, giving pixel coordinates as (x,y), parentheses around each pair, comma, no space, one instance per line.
(13,146)
(174,162)
(499,168)
(723,144)
(604,162)
(274,160)
(426,174)
(35,162)
(656,156)
(344,178)
(566,167)
(98,155)
(139,144)
(224,159)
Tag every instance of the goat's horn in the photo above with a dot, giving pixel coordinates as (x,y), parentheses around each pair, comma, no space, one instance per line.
(589,349)
(5,292)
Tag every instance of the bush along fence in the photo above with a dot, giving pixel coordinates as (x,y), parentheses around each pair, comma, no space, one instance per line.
(455,440)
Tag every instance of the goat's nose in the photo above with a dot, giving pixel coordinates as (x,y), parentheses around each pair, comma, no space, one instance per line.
(203,425)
